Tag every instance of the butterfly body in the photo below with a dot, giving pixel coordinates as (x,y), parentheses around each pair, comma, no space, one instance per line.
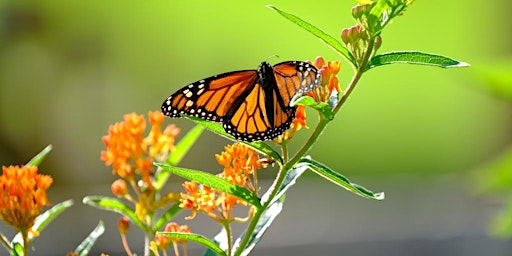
(251,104)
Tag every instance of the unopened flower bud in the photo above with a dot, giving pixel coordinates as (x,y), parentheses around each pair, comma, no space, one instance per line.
(357,11)
(378,43)
(345,35)
(119,188)
(123,225)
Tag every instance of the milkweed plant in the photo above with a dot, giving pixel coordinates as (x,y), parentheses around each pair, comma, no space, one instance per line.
(143,159)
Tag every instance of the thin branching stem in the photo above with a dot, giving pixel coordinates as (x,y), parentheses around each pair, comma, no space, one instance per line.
(284,151)
(227,227)
(126,246)
(24,234)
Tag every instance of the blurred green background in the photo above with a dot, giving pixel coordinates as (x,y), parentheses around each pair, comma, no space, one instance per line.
(69,69)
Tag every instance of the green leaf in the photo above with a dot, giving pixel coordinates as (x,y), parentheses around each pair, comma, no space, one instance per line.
(167,216)
(196,238)
(45,218)
(256,145)
(178,153)
(322,107)
(264,149)
(114,205)
(17,250)
(215,182)
(339,179)
(40,157)
(220,240)
(302,100)
(211,126)
(289,180)
(273,210)
(85,247)
(329,40)
(413,57)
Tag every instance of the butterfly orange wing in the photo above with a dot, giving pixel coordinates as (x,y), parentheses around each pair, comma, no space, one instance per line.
(295,77)
(210,98)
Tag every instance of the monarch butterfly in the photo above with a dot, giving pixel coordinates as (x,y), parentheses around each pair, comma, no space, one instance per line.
(251,104)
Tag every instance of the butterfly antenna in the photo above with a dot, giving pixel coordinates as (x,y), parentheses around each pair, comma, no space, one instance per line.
(272,56)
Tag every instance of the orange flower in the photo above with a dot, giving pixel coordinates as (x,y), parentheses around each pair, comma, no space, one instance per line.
(329,83)
(130,153)
(22,195)
(162,241)
(240,162)
(298,122)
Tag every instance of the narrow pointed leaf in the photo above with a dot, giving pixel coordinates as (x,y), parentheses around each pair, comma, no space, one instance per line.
(167,216)
(45,218)
(195,238)
(413,57)
(220,240)
(85,247)
(36,160)
(256,145)
(215,182)
(329,40)
(289,180)
(322,107)
(340,180)
(180,150)
(17,250)
(114,205)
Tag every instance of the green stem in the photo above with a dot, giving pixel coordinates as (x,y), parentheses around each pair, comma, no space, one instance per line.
(229,235)
(150,234)
(24,234)
(284,151)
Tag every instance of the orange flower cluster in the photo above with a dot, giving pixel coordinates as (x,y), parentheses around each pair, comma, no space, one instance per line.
(330,81)
(240,162)
(162,241)
(329,84)
(128,151)
(298,122)
(22,195)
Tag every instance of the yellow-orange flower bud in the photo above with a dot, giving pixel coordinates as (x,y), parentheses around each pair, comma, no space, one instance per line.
(123,225)
(119,188)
